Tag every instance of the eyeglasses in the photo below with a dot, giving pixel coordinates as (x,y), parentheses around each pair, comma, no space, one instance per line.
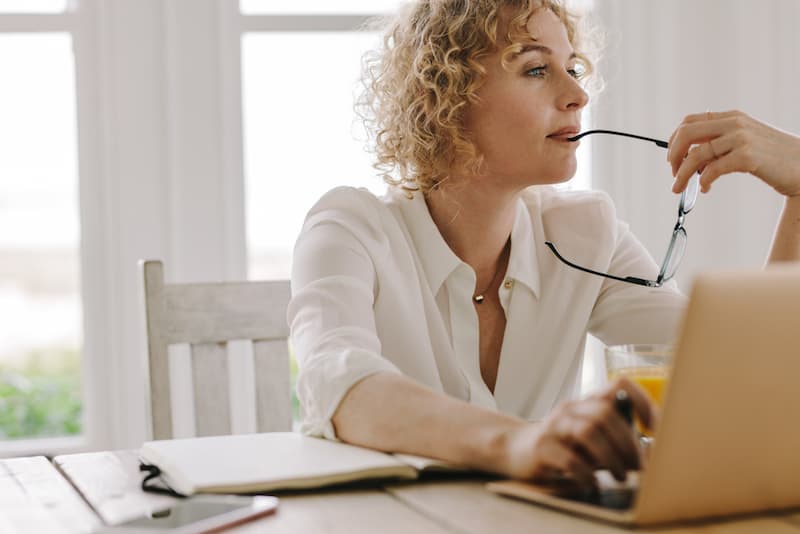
(677,245)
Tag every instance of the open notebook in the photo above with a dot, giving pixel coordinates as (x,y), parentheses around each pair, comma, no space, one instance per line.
(250,463)
(727,443)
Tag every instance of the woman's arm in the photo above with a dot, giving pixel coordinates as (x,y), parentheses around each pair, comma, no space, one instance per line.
(721,143)
(786,241)
(391,412)
(387,411)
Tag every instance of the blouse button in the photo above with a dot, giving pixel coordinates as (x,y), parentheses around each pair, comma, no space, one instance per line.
(508,283)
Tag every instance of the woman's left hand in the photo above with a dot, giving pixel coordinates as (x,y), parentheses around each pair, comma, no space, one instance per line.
(718,143)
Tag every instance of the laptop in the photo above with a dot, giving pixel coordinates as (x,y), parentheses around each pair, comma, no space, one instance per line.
(727,443)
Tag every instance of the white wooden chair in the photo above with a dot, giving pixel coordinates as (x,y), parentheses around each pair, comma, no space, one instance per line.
(218,356)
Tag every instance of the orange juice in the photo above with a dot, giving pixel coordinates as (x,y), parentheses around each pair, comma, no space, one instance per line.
(652,379)
(653,385)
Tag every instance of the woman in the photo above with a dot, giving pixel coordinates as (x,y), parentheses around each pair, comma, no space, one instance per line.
(434,321)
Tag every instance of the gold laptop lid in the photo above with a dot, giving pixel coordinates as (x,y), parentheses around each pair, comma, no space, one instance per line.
(728,441)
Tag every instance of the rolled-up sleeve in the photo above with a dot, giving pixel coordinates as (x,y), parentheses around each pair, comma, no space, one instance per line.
(331,313)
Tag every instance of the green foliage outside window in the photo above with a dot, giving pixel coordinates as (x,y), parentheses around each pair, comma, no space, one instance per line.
(41,397)
(296,416)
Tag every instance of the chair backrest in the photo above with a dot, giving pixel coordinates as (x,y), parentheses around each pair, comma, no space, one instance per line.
(218,356)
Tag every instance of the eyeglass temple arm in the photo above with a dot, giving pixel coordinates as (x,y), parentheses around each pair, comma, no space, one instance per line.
(629,279)
(662,144)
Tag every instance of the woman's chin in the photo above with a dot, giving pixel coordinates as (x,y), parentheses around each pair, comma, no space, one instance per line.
(559,178)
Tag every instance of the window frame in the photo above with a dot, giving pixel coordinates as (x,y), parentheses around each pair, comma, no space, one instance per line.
(72,22)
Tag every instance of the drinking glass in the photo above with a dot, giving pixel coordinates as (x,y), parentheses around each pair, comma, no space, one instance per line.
(646,364)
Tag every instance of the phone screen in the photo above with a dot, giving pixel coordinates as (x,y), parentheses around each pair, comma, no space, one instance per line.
(202,511)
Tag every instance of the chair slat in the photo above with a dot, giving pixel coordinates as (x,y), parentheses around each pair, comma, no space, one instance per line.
(158,363)
(211,401)
(205,313)
(273,396)
(181,390)
(242,385)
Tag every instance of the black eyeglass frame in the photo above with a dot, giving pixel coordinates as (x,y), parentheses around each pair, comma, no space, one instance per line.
(691,188)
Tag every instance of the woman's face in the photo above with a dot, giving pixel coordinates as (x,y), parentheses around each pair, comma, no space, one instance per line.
(527,111)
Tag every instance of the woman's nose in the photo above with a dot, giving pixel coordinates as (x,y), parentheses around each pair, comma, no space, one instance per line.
(573,96)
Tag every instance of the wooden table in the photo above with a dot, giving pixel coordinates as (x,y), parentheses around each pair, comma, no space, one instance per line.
(37,497)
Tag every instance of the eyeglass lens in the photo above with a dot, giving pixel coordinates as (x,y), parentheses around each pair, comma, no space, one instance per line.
(677,247)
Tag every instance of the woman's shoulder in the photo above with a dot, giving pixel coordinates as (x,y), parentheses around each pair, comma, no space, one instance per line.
(356,211)
(347,203)
(580,206)
(346,198)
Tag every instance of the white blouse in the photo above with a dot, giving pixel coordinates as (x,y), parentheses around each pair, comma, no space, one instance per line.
(376,288)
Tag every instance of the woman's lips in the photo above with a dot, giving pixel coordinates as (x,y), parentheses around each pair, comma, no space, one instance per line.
(564,134)
(563,137)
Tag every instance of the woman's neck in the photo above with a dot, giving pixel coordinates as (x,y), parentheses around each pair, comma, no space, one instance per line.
(475,222)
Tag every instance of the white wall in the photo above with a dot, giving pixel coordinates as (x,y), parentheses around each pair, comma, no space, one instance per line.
(665,60)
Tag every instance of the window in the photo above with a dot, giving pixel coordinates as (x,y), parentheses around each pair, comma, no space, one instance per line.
(317,7)
(32,6)
(292,157)
(40,303)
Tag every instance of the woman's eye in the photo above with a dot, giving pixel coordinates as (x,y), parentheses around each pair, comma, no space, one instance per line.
(537,72)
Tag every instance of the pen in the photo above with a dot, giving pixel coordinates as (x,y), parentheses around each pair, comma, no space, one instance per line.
(623,405)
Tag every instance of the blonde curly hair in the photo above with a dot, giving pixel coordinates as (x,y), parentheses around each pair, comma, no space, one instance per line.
(417,86)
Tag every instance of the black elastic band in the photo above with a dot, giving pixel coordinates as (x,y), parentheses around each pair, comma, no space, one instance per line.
(154,472)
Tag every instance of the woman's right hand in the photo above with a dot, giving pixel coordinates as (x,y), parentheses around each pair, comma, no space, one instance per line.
(579,437)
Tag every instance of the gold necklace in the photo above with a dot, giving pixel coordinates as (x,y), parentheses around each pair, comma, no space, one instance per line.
(480,297)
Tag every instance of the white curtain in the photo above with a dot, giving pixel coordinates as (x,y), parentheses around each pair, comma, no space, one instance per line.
(666,59)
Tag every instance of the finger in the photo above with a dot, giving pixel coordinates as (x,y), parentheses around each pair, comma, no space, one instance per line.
(593,432)
(618,433)
(696,129)
(562,461)
(589,434)
(699,157)
(622,436)
(671,142)
(688,135)
(732,162)
(696,134)
(712,115)
(574,464)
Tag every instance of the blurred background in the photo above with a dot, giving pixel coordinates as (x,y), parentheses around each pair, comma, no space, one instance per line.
(199,132)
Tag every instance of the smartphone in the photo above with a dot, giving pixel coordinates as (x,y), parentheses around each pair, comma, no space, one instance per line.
(195,515)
